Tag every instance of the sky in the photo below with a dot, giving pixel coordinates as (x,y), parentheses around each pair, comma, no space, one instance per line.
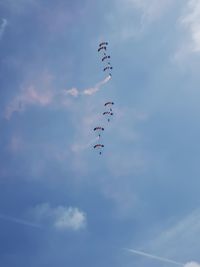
(63,204)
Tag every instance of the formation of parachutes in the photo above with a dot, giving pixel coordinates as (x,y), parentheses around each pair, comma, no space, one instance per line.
(108,106)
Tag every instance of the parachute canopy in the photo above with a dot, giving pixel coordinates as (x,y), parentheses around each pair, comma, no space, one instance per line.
(99,147)
(102,47)
(109,105)
(105,57)
(107,68)
(108,115)
(98,130)
(103,43)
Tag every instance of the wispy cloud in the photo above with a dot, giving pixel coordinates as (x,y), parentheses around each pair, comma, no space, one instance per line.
(3,27)
(185,229)
(135,16)
(151,10)
(89,91)
(44,95)
(61,218)
(179,239)
(189,22)
(28,96)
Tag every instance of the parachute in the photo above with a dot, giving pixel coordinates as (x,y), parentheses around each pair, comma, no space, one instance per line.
(109,105)
(100,48)
(103,43)
(108,115)
(107,68)
(105,57)
(98,130)
(99,147)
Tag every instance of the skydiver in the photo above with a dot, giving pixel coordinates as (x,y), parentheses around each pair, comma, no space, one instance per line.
(103,43)
(105,58)
(107,68)
(100,48)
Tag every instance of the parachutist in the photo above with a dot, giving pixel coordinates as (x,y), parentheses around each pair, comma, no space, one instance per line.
(103,47)
(103,43)
(105,58)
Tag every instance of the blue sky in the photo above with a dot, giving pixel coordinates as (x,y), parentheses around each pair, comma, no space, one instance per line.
(61,203)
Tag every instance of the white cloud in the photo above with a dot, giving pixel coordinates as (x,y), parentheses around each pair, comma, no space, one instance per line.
(190,23)
(69,218)
(73,92)
(192,264)
(61,218)
(2,27)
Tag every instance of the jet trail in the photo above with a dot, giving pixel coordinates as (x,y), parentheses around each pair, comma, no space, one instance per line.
(19,221)
(141,253)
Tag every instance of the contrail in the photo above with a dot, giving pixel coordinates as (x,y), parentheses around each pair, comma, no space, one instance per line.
(141,253)
(19,221)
